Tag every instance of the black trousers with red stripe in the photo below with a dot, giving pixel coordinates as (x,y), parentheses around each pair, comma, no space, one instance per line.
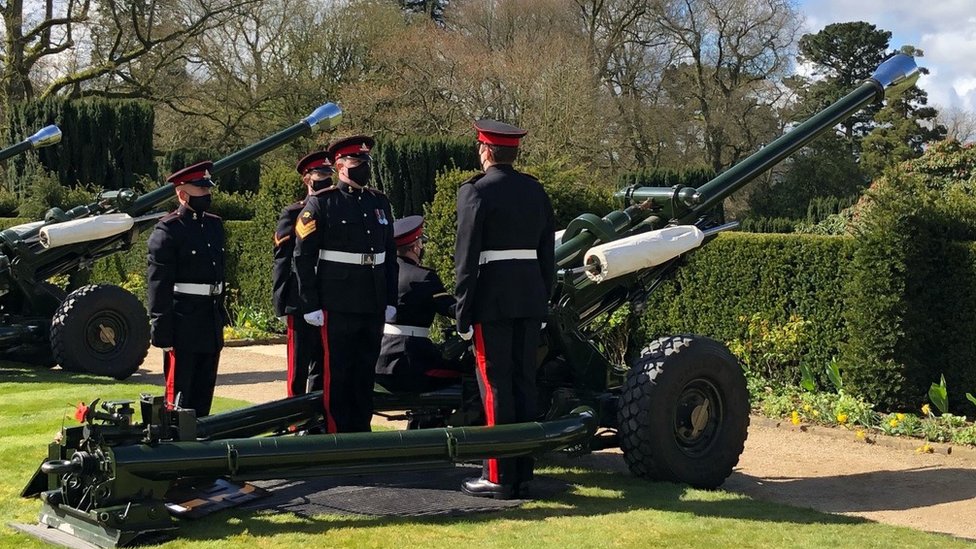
(505,360)
(304,356)
(193,377)
(351,345)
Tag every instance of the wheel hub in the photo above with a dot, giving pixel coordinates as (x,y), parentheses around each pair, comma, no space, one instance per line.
(698,416)
(105,334)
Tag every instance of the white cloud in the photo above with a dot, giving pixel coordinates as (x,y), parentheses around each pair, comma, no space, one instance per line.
(944,29)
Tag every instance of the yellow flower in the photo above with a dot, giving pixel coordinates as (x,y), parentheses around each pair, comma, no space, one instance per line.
(893,423)
(842,419)
(901,417)
(816,413)
(795,418)
(860,434)
(807,407)
(926,409)
(925,449)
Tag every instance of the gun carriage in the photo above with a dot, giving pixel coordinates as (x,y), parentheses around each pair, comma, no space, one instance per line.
(680,412)
(100,329)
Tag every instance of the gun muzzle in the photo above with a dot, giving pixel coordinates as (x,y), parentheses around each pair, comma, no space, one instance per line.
(896,75)
(46,136)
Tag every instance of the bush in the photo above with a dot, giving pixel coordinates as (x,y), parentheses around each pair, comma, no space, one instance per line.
(233,206)
(768,225)
(245,178)
(45,193)
(105,142)
(406,168)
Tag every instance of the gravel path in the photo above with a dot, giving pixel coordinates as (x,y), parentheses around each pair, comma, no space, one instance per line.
(820,468)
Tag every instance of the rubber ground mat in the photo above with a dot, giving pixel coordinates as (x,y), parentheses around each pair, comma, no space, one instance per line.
(425,493)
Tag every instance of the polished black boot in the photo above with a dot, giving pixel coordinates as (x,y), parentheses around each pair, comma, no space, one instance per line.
(483,488)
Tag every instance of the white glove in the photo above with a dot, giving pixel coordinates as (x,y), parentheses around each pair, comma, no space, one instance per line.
(390,313)
(544,325)
(467,335)
(166,349)
(315,318)
(283,319)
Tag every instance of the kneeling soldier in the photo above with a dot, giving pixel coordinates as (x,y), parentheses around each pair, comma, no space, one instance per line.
(186,291)
(304,340)
(409,361)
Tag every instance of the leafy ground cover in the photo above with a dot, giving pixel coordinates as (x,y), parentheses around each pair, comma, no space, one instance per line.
(601,508)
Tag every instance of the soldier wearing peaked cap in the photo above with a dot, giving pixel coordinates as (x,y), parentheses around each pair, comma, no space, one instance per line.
(304,340)
(505,269)
(409,361)
(347,282)
(186,291)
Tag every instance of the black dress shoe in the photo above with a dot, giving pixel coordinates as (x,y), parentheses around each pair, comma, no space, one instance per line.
(483,488)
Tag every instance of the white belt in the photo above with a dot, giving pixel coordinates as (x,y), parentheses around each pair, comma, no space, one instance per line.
(352,259)
(488,256)
(191,288)
(401,330)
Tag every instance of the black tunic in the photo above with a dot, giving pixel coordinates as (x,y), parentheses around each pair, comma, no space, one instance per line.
(421,296)
(186,247)
(284,282)
(503,209)
(347,220)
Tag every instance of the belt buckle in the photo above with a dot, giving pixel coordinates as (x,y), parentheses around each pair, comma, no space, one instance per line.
(369,259)
(215,289)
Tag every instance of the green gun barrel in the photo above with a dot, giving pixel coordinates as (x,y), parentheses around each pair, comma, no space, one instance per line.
(46,136)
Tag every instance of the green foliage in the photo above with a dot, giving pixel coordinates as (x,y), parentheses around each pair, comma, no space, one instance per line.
(105,142)
(817,179)
(768,225)
(771,350)
(833,374)
(45,193)
(905,126)
(244,178)
(234,206)
(406,168)
(9,203)
(280,186)
(939,395)
(771,277)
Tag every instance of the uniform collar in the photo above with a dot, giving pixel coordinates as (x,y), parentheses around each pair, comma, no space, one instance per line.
(349,189)
(187,212)
(407,260)
(507,168)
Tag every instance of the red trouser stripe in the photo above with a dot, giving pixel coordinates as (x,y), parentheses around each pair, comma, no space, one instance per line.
(330,424)
(170,358)
(488,395)
(291,355)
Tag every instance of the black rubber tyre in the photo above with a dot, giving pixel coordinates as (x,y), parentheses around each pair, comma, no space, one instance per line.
(100,329)
(684,412)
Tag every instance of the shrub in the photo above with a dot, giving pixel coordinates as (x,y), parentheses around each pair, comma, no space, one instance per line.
(234,206)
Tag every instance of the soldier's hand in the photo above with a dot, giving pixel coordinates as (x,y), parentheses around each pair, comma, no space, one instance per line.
(166,349)
(390,314)
(315,318)
(467,335)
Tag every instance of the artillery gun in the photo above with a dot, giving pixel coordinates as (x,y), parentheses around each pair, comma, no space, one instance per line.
(100,329)
(680,412)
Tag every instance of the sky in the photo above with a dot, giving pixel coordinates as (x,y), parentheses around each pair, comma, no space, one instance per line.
(944,29)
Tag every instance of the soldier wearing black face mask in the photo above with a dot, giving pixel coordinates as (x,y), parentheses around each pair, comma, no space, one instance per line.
(304,340)
(186,290)
(345,261)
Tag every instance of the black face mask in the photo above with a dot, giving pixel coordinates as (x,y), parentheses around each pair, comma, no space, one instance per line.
(360,174)
(200,204)
(318,185)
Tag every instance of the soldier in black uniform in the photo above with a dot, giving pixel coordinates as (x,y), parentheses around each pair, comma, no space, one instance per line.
(186,291)
(304,340)
(409,361)
(505,266)
(347,282)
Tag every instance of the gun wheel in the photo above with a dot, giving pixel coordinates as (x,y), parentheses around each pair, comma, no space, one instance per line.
(100,329)
(684,412)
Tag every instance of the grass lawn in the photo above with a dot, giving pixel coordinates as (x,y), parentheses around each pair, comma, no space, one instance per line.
(601,509)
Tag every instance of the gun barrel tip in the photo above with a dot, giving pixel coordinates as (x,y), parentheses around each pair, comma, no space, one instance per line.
(898,73)
(48,135)
(328,116)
